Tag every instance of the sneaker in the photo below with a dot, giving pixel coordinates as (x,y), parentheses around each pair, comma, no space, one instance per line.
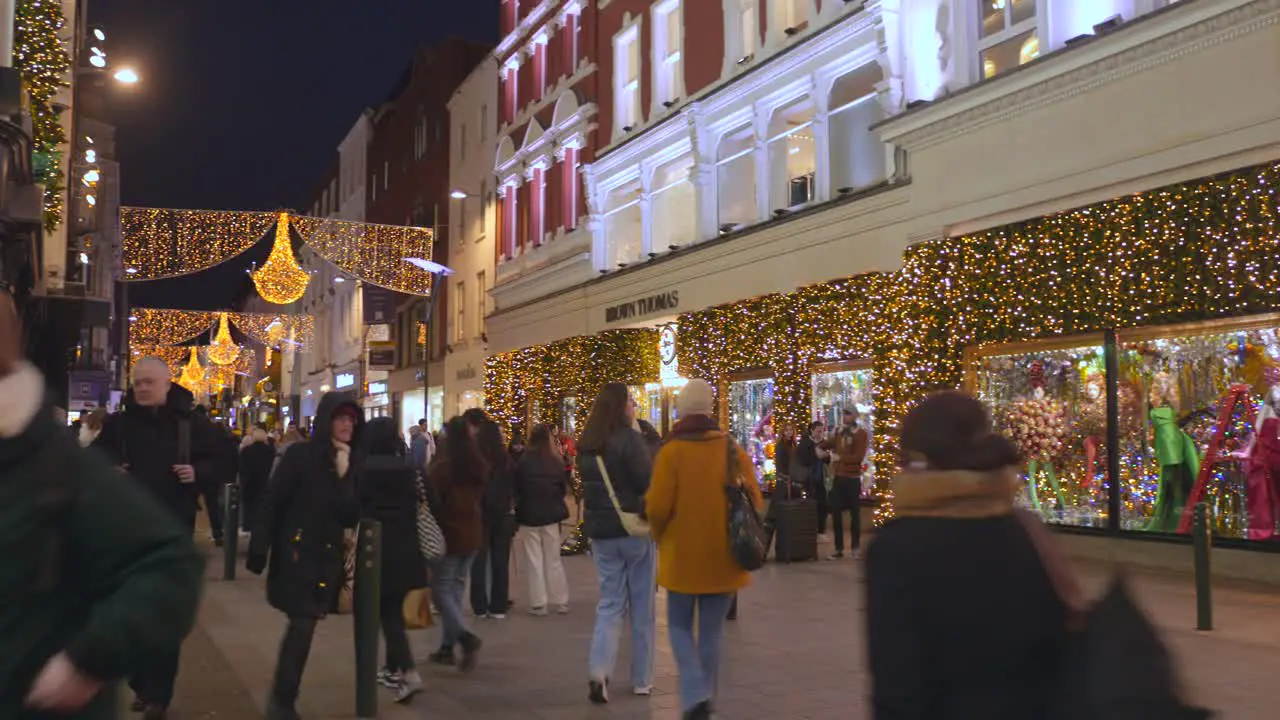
(443,656)
(598,691)
(497,616)
(701,711)
(409,686)
(480,615)
(642,690)
(562,610)
(837,555)
(540,611)
(389,678)
(470,647)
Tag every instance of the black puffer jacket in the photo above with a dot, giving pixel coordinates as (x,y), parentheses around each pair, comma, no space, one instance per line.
(389,494)
(540,490)
(301,518)
(626,457)
(146,440)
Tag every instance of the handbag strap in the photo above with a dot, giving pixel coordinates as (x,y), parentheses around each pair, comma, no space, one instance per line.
(608,484)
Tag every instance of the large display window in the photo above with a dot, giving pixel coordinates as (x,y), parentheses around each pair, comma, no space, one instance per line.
(1050,398)
(569,416)
(1198,423)
(846,385)
(750,406)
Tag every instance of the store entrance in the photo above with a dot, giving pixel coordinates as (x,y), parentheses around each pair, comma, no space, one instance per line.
(656,404)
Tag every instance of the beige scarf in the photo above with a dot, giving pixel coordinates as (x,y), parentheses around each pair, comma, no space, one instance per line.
(341,458)
(954,493)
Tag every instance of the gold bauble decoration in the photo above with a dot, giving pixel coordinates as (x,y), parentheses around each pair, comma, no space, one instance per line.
(280,280)
(223,351)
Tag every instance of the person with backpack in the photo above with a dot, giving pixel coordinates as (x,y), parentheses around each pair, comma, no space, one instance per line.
(159,440)
(98,578)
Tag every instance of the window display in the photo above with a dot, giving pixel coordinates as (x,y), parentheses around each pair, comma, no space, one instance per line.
(1051,401)
(833,390)
(569,416)
(751,422)
(1200,426)
(648,403)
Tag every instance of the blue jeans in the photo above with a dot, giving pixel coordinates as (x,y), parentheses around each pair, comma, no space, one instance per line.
(697,658)
(448,582)
(625,567)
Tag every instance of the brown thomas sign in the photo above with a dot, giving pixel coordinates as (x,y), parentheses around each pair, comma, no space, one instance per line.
(643,306)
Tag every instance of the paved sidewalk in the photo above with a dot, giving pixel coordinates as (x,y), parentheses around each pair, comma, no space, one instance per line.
(796,652)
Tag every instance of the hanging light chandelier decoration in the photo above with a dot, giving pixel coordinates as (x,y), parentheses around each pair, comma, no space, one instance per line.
(192,377)
(280,280)
(223,350)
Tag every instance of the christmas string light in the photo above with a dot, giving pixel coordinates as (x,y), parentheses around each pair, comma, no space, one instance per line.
(374,253)
(173,356)
(223,351)
(40,55)
(280,280)
(193,375)
(154,327)
(159,243)
(274,331)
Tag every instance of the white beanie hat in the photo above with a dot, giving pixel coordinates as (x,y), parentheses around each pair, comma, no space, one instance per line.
(696,398)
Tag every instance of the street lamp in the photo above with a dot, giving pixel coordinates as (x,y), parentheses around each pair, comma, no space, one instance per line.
(126,76)
(438,272)
(459,195)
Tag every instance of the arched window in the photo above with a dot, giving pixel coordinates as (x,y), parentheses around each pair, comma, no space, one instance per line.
(857,155)
(792,155)
(623,226)
(736,178)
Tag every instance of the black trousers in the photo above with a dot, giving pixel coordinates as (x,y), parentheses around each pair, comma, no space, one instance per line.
(213,507)
(818,490)
(154,681)
(845,495)
(394,633)
(495,558)
(291,662)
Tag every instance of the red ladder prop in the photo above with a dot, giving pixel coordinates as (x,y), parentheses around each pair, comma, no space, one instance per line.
(1236,395)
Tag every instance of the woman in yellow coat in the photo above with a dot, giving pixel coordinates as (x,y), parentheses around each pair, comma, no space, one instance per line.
(688,514)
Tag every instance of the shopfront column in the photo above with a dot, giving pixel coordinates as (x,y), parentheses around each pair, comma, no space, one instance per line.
(761,154)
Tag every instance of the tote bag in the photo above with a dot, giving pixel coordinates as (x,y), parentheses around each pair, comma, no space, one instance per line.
(748,541)
(417,609)
(635,525)
(430,537)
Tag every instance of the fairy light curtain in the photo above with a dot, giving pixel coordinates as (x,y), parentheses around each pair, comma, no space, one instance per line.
(173,356)
(275,331)
(159,327)
(163,243)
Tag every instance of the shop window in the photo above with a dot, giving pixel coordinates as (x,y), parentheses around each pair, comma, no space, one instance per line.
(857,155)
(668,46)
(569,416)
(626,80)
(1050,399)
(675,206)
(1198,422)
(624,234)
(792,156)
(836,389)
(736,179)
(751,423)
(1007,34)
(648,399)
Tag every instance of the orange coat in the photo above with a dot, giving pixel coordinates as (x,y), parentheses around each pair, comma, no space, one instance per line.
(688,513)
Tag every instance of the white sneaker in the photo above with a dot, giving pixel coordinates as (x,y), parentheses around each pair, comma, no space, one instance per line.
(388,678)
(562,610)
(642,690)
(497,616)
(540,611)
(410,685)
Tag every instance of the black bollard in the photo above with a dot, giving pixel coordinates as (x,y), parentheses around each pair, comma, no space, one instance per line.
(230,530)
(367,589)
(1202,541)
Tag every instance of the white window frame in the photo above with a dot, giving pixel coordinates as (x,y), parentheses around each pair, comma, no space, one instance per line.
(481,302)
(1039,24)
(668,55)
(460,313)
(627,95)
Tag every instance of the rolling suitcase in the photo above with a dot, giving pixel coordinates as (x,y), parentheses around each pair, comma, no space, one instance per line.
(795,523)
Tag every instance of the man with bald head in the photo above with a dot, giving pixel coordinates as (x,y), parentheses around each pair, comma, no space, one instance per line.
(171,451)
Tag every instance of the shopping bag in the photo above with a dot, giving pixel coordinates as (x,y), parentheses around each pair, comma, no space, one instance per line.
(417,609)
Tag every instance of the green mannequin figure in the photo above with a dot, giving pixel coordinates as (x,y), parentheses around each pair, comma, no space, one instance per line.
(1177,454)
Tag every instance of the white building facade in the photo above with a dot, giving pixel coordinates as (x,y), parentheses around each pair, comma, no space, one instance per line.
(471,236)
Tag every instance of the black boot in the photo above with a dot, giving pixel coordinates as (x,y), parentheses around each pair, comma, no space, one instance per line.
(701,711)
(470,647)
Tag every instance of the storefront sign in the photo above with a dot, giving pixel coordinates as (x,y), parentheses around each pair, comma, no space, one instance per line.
(87,389)
(378,388)
(382,355)
(344,380)
(467,373)
(643,306)
(379,305)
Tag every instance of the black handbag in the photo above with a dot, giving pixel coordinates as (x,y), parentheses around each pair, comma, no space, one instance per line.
(747,538)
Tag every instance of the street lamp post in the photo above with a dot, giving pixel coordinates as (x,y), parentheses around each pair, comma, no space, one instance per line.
(438,273)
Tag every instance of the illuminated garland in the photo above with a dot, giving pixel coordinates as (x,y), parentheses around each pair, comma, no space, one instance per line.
(158,243)
(374,253)
(223,351)
(40,55)
(275,331)
(157,327)
(536,379)
(173,356)
(280,280)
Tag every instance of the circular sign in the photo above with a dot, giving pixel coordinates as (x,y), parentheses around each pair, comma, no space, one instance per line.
(667,345)
(268,386)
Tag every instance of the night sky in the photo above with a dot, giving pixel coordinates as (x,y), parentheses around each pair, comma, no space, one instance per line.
(243,102)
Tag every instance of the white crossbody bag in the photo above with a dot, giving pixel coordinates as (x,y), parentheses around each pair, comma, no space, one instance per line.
(635,525)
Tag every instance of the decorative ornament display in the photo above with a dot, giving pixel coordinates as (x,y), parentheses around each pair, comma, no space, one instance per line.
(158,243)
(223,351)
(40,56)
(173,356)
(275,331)
(280,280)
(192,377)
(154,327)
(374,253)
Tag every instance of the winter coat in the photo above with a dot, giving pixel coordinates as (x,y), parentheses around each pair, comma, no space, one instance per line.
(540,490)
(301,517)
(808,466)
(256,460)
(499,492)
(457,504)
(419,451)
(626,457)
(962,618)
(145,440)
(107,574)
(850,447)
(389,494)
(689,514)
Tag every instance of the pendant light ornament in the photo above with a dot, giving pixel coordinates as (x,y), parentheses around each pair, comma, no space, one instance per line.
(280,280)
(223,351)
(193,374)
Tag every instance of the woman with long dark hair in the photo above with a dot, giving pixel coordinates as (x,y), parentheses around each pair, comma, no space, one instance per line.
(388,489)
(490,573)
(455,489)
(540,490)
(623,554)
